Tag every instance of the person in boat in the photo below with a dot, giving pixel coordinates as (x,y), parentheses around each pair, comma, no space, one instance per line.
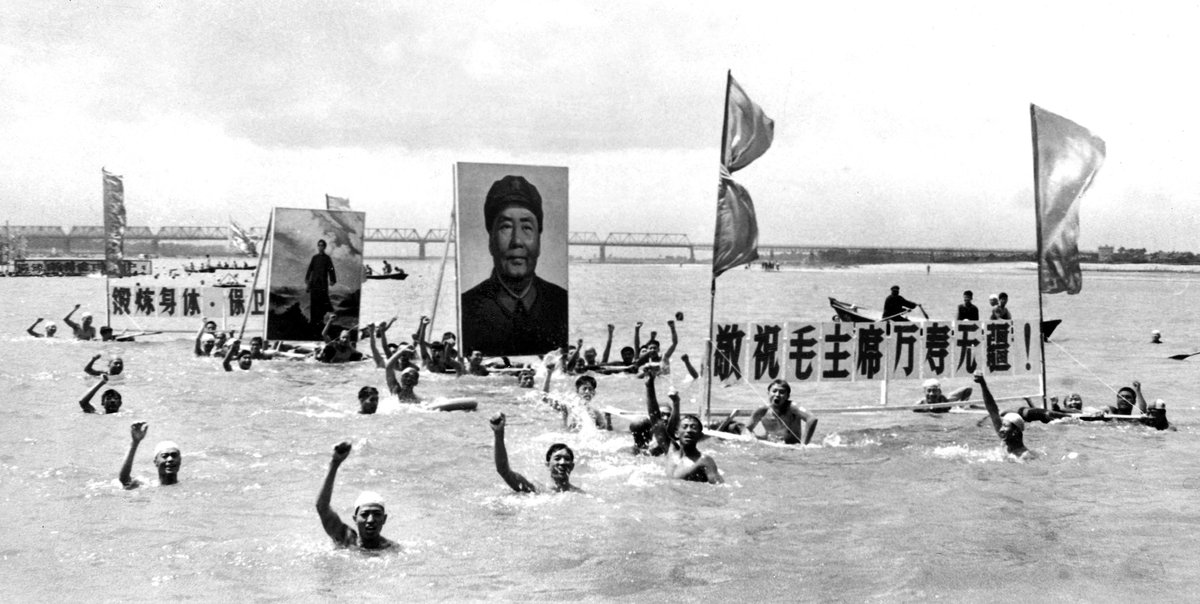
(560,460)
(368,400)
(650,435)
(317,280)
(514,311)
(387,268)
(110,401)
(167,459)
(895,305)
(967,311)
(781,420)
(1000,310)
(49,330)
(934,396)
(115,366)
(1009,427)
(370,514)
(82,330)
(684,460)
(1155,336)
(367,270)
(244,358)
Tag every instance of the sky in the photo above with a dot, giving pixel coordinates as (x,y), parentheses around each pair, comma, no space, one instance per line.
(897,123)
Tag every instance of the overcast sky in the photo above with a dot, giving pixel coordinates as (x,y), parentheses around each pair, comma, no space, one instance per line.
(897,123)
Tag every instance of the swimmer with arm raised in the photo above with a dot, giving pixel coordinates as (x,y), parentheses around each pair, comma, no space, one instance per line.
(110,400)
(560,459)
(115,367)
(685,461)
(51,329)
(1009,427)
(167,459)
(369,512)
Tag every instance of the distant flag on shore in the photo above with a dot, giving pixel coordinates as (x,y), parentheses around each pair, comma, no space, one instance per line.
(337,203)
(1066,159)
(240,239)
(748,134)
(114,223)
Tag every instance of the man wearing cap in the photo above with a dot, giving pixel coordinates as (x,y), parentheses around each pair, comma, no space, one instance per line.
(369,512)
(934,396)
(895,306)
(1155,335)
(84,329)
(51,329)
(514,311)
(1009,427)
(167,459)
(317,279)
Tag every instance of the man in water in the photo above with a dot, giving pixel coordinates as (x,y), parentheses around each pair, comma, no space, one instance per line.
(340,349)
(1000,311)
(1009,427)
(115,366)
(475,365)
(525,378)
(368,400)
(244,357)
(408,380)
(400,361)
(82,330)
(684,460)
(968,311)
(369,512)
(1126,399)
(110,400)
(934,396)
(167,459)
(1155,335)
(513,311)
(650,435)
(317,279)
(560,460)
(781,420)
(50,328)
(896,305)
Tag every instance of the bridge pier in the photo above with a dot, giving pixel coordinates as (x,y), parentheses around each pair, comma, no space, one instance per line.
(692,253)
(602,257)
(421,250)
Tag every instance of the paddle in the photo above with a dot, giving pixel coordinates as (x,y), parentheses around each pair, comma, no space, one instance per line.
(923,312)
(1180,357)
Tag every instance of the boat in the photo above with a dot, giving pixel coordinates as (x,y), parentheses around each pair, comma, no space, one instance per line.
(396,275)
(854,313)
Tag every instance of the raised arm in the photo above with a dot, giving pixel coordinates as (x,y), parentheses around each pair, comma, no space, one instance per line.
(136,432)
(674,342)
(673,421)
(637,338)
(688,363)
(68,321)
(517,482)
(652,409)
(422,345)
(334,527)
(90,368)
(1141,400)
(29,330)
(325,335)
(86,402)
(199,334)
(375,347)
(231,354)
(607,345)
(989,401)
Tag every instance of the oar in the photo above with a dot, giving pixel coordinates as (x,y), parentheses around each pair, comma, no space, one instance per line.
(1180,357)
(923,312)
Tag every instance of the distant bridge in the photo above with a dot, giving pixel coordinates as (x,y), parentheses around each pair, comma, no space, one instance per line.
(78,238)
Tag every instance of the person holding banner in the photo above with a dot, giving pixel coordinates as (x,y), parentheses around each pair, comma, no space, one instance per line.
(967,311)
(84,329)
(1009,427)
(780,419)
(934,396)
(1000,310)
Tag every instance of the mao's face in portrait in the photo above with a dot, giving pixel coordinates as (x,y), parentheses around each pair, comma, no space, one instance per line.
(515,243)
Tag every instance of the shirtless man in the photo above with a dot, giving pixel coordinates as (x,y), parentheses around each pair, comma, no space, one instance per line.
(560,460)
(369,512)
(110,400)
(780,419)
(341,349)
(245,358)
(115,366)
(368,400)
(407,381)
(400,361)
(84,329)
(1127,397)
(1009,427)
(650,434)
(167,459)
(934,396)
(685,461)
(475,365)
(50,328)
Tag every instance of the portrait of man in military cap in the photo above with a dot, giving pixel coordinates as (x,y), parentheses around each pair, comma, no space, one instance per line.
(515,306)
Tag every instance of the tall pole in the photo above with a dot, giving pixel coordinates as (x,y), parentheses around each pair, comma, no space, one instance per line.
(712,301)
(1037,205)
(262,252)
(437,291)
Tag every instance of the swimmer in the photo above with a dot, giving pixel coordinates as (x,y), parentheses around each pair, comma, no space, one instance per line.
(110,400)
(934,396)
(408,380)
(650,435)
(82,330)
(1009,427)
(167,459)
(1126,399)
(206,342)
(781,420)
(115,366)
(685,461)
(560,460)
(368,400)
(401,360)
(244,357)
(1156,416)
(259,351)
(369,512)
(341,349)
(50,329)
(475,365)
(525,378)
(1155,336)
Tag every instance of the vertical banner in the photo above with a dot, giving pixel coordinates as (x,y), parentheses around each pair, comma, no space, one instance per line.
(512,258)
(1066,159)
(114,223)
(316,271)
(803,345)
(729,350)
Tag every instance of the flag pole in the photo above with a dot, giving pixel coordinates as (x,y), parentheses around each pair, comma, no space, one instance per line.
(712,300)
(437,290)
(262,251)
(1037,205)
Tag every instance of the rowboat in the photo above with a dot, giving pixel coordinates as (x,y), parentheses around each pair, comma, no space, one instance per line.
(860,314)
(397,275)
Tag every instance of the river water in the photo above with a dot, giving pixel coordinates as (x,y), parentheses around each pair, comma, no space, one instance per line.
(890,506)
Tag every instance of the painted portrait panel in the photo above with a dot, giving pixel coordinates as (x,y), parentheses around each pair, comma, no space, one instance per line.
(316,269)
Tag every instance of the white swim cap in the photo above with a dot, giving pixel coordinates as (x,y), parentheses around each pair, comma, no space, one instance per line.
(208,337)
(86,315)
(1158,404)
(1015,420)
(931,383)
(50,324)
(165,446)
(368,498)
(1155,332)
(993,297)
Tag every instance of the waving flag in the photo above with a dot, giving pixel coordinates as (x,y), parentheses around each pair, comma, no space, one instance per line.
(748,134)
(240,239)
(1066,159)
(114,223)
(336,203)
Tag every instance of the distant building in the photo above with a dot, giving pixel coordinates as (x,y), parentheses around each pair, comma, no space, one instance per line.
(1106,253)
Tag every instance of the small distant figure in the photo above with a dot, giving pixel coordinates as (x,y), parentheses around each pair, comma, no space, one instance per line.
(84,330)
(560,460)
(926,269)
(110,401)
(1000,310)
(167,459)
(49,330)
(115,367)
(1155,336)
(1009,427)
(369,512)
(387,268)
(895,306)
(967,311)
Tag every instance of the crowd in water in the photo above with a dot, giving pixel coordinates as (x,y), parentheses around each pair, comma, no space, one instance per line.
(663,432)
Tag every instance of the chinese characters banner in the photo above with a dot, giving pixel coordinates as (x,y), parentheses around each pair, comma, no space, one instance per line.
(839,351)
(184,302)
